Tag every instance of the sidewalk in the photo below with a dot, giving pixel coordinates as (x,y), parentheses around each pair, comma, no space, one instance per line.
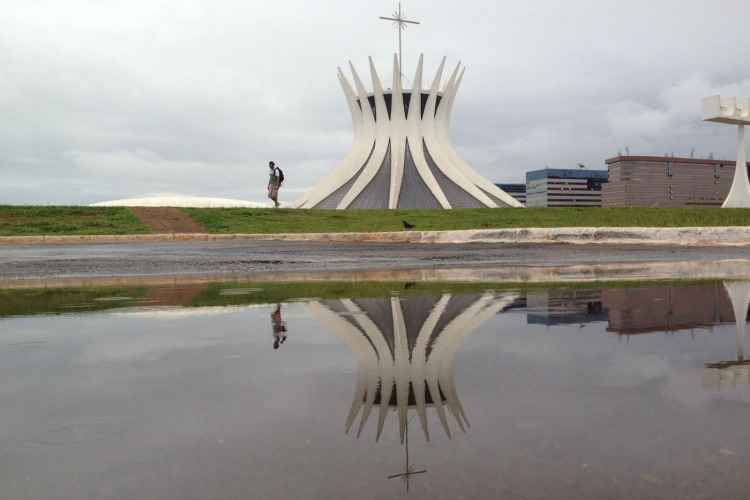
(679,236)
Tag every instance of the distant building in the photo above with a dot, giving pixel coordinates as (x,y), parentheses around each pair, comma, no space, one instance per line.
(564,306)
(557,187)
(661,181)
(653,309)
(517,191)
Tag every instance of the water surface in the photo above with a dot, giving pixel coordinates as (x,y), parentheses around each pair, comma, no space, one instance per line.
(405,390)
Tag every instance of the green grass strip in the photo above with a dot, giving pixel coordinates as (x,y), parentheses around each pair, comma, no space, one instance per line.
(39,301)
(49,220)
(265,221)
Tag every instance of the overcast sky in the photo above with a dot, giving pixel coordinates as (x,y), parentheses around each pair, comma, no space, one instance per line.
(105,99)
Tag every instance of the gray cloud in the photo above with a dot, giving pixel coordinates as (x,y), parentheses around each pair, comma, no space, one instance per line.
(108,99)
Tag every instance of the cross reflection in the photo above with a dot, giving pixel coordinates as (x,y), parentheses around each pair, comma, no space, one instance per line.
(408,469)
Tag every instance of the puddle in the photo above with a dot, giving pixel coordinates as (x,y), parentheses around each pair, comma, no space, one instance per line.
(374,390)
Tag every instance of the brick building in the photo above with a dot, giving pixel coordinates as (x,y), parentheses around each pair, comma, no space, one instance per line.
(661,181)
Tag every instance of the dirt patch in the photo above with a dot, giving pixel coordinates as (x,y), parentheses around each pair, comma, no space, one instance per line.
(174,295)
(167,220)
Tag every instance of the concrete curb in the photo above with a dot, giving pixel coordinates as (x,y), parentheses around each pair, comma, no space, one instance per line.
(682,236)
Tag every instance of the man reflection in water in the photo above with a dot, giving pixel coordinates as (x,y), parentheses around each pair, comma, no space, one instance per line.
(278,326)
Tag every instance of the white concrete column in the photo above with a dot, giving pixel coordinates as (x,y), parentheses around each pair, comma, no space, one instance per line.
(398,137)
(739,194)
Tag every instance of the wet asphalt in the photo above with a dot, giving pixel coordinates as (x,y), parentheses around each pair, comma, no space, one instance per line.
(181,258)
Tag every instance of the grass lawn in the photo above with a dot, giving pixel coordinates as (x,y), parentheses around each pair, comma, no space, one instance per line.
(240,220)
(49,220)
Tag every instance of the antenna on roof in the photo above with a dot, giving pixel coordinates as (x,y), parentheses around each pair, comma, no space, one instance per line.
(692,152)
(711,155)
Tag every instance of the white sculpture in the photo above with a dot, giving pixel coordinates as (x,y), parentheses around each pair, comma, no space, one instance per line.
(739,294)
(733,111)
(735,372)
(402,156)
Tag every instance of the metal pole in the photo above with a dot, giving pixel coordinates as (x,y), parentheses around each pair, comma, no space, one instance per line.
(400,55)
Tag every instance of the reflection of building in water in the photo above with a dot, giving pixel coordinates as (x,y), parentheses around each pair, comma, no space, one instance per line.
(405,348)
(564,306)
(733,372)
(653,309)
(634,311)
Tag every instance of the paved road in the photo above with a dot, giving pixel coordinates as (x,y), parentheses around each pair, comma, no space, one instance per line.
(249,257)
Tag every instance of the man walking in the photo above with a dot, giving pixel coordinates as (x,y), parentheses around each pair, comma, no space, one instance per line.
(274,183)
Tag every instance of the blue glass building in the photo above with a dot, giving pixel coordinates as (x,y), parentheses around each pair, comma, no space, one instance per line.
(560,187)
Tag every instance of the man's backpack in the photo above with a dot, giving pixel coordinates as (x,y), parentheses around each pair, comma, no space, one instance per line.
(281,175)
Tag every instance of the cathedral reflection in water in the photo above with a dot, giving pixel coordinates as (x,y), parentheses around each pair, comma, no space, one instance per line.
(405,348)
